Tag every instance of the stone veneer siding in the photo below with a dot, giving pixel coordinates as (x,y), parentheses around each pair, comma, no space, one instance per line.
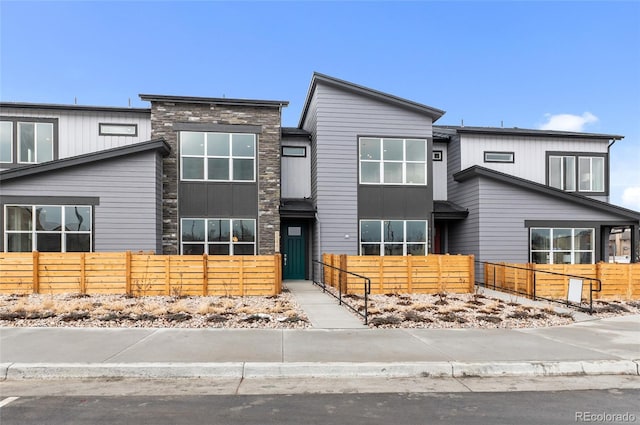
(165,114)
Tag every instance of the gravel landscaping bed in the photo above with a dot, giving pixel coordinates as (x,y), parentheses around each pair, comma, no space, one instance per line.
(442,310)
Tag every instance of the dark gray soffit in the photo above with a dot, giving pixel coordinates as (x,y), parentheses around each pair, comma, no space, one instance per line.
(522,132)
(212,100)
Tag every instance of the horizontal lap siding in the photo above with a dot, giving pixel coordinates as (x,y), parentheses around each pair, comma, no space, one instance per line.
(126,218)
(140,274)
(338,118)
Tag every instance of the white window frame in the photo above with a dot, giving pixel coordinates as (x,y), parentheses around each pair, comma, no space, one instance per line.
(381,162)
(36,153)
(573,183)
(573,251)
(10,161)
(591,180)
(205,157)
(230,243)
(381,244)
(34,232)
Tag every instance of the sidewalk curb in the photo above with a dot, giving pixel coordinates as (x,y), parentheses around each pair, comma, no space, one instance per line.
(239,370)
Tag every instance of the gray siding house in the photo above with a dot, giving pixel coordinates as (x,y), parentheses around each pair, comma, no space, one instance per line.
(363,173)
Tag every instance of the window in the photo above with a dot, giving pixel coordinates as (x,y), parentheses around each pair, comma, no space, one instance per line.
(6,141)
(48,228)
(216,236)
(217,156)
(562,245)
(105,129)
(577,173)
(499,157)
(437,155)
(299,151)
(393,161)
(393,237)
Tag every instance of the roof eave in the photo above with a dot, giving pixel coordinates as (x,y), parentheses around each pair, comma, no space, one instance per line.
(213,100)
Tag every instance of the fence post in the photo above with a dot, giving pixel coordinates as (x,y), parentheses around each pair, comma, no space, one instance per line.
(83,283)
(409,273)
(127,272)
(167,274)
(36,272)
(472,273)
(599,273)
(205,275)
(277,287)
(343,275)
(241,276)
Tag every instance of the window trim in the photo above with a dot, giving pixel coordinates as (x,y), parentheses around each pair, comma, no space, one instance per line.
(304,149)
(11,144)
(577,156)
(205,157)
(14,138)
(404,242)
(573,250)
(34,232)
(115,124)
(230,243)
(437,155)
(404,161)
(499,161)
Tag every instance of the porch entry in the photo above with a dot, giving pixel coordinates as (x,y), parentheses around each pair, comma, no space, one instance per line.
(294,250)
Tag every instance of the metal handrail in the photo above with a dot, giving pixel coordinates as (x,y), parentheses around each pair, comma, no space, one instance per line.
(534,295)
(367,288)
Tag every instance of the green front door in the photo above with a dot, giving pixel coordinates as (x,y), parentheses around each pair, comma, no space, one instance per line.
(294,251)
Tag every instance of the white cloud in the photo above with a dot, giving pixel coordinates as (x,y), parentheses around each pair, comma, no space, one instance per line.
(631,198)
(568,122)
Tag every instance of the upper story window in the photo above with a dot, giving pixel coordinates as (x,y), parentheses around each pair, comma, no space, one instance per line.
(105,129)
(295,151)
(47,228)
(393,161)
(577,172)
(499,157)
(27,140)
(217,156)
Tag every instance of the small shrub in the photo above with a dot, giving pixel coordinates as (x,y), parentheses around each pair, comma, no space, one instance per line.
(385,320)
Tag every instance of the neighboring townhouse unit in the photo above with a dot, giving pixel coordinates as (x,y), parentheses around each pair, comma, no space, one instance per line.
(364,173)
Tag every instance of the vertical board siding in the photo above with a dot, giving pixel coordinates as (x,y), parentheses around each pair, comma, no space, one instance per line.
(619,281)
(337,118)
(78,131)
(296,172)
(529,152)
(140,274)
(128,213)
(440,173)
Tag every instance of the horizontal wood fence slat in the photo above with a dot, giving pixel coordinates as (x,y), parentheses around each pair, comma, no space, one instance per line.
(619,281)
(407,274)
(139,274)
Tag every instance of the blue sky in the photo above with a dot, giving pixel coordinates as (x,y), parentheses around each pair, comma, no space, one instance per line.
(564,65)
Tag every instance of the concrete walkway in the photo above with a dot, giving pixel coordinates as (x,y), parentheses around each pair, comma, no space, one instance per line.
(599,347)
(323,310)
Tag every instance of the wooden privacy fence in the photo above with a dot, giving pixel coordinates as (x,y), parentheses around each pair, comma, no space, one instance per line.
(139,274)
(394,274)
(621,281)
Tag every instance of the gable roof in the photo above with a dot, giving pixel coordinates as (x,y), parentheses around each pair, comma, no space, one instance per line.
(212,100)
(449,129)
(28,170)
(478,171)
(433,113)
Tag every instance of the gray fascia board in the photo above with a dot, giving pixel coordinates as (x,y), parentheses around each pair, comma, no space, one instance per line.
(212,100)
(528,132)
(29,170)
(61,107)
(433,113)
(478,171)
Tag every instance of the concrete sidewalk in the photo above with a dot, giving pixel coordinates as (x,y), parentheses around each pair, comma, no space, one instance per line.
(600,347)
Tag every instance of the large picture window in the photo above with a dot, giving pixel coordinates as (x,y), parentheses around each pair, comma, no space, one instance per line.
(217,156)
(393,161)
(48,228)
(562,245)
(218,236)
(577,173)
(393,237)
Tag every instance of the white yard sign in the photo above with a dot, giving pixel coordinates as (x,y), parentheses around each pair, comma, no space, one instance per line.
(574,294)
